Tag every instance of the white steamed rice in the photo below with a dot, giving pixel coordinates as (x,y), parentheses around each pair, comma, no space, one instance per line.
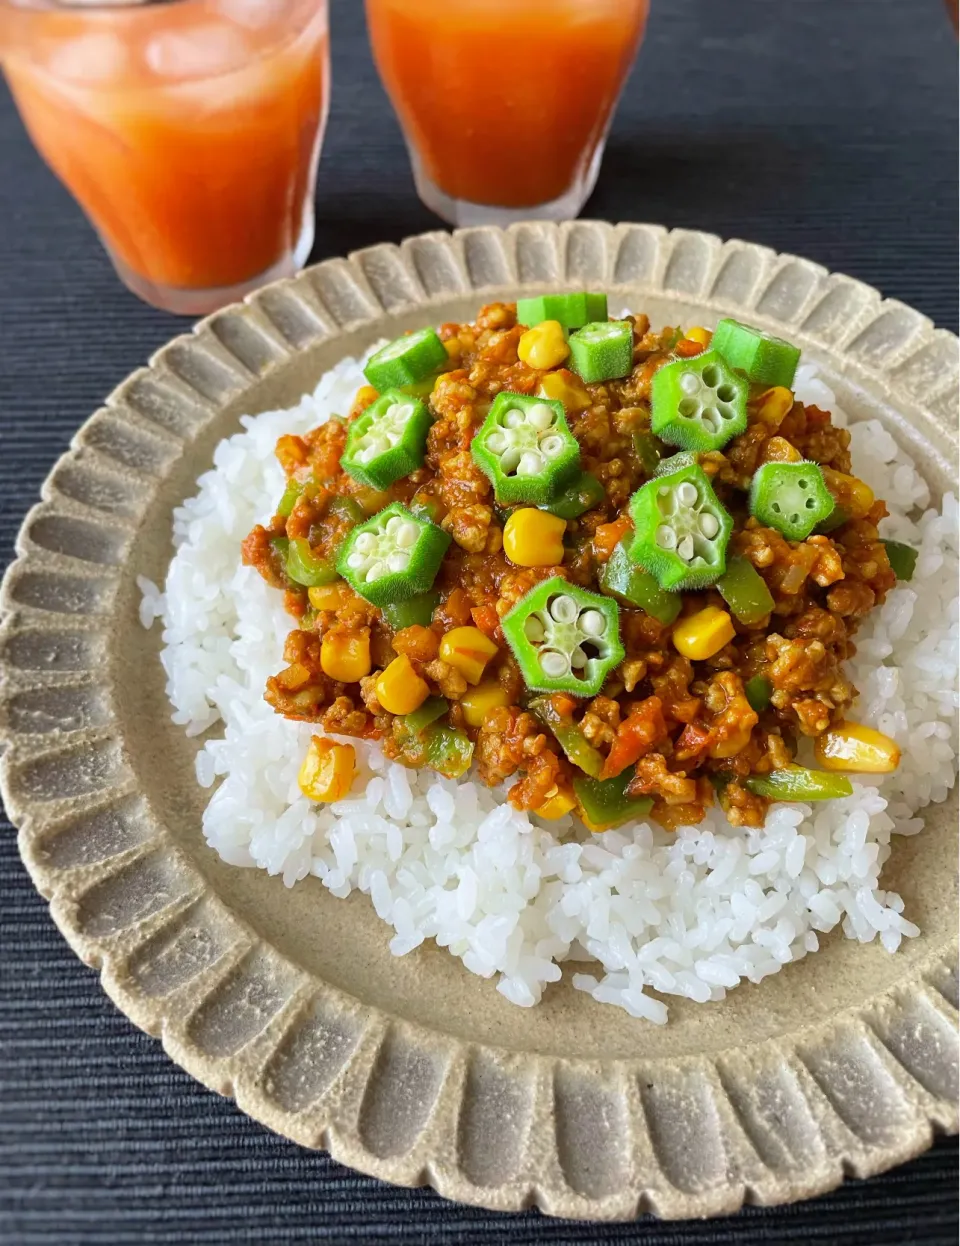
(689,914)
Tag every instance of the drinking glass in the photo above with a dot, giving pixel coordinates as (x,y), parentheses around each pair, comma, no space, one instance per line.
(505,104)
(188,131)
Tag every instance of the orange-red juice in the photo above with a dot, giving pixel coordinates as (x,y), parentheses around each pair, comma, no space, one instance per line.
(189,135)
(505,102)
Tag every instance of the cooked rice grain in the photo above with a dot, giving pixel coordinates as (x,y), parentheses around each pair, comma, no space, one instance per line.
(690,914)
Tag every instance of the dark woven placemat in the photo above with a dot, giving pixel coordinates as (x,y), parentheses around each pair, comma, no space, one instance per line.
(822,127)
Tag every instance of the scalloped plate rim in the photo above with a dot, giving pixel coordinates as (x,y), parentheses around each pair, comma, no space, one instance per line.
(243,1072)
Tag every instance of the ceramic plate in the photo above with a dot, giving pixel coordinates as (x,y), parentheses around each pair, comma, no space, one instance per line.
(412,1069)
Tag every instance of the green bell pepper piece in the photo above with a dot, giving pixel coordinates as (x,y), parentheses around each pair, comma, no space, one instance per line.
(602,350)
(758,691)
(565,639)
(289,500)
(572,310)
(388,441)
(406,360)
(414,612)
(393,556)
(676,462)
(425,506)
(798,783)
(698,404)
(426,714)
(836,519)
(305,567)
(569,735)
(791,498)
(765,359)
(525,449)
(647,449)
(449,751)
(745,591)
(347,509)
(681,531)
(582,495)
(626,580)
(902,559)
(605,802)
(422,388)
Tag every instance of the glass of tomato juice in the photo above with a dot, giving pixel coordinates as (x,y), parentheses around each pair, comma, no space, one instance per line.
(505,104)
(188,131)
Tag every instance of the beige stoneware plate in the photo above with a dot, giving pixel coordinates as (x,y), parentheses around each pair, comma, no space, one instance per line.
(413,1069)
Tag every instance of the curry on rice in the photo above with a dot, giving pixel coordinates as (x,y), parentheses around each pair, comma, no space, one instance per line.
(624,565)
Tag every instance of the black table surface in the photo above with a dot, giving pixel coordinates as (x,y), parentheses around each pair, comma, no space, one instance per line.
(823,127)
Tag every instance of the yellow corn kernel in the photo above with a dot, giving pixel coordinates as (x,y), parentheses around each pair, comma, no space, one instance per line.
(703,634)
(399,688)
(572,394)
(699,334)
(856,749)
(544,346)
(468,651)
(345,656)
(533,538)
(332,596)
(852,495)
(556,805)
(775,405)
(328,770)
(779,450)
(479,701)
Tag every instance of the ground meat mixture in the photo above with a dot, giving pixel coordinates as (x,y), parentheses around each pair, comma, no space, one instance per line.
(682,731)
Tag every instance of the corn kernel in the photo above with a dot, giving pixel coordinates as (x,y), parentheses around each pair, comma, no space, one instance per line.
(399,688)
(572,394)
(468,651)
(703,634)
(345,656)
(328,770)
(533,538)
(556,806)
(544,346)
(852,495)
(699,334)
(333,596)
(856,749)
(779,450)
(478,702)
(775,405)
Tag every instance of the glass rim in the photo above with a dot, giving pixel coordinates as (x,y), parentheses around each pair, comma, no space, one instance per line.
(80,6)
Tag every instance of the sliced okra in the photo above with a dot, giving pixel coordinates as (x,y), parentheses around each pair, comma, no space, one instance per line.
(393,556)
(525,449)
(405,361)
(602,350)
(763,358)
(565,639)
(791,498)
(572,310)
(388,441)
(681,531)
(698,404)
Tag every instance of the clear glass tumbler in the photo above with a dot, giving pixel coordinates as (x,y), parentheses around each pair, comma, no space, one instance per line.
(188,131)
(505,104)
